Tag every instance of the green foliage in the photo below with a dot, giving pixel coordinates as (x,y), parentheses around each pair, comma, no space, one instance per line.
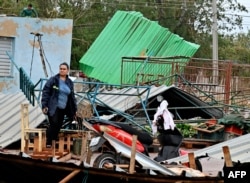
(148,129)
(235,48)
(186,130)
(192,20)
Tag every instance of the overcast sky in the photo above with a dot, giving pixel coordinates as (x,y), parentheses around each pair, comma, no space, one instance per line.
(246,18)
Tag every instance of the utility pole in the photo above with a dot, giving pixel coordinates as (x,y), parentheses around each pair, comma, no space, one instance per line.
(38,35)
(215,43)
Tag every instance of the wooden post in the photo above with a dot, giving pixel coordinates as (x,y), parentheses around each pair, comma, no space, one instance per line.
(36,144)
(191,160)
(39,142)
(227,156)
(53,148)
(61,144)
(84,147)
(26,145)
(133,153)
(70,176)
(24,124)
(68,142)
(89,152)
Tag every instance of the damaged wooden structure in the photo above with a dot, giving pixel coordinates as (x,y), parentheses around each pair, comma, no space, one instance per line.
(65,171)
(61,151)
(33,140)
(29,170)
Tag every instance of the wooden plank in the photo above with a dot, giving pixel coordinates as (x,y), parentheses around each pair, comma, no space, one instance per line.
(195,144)
(191,158)
(190,143)
(61,144)
(26,145)
(227,156)
(208,128)
(65,158)
(89,155)
(53,148)
(132,158)
(36,144)
(24,124)
(110,165)
(68,142)
(84,147)
(70,176)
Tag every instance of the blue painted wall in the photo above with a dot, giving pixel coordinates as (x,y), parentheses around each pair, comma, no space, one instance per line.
(56,43)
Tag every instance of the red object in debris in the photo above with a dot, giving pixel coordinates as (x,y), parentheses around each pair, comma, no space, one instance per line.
(211,121)
(183,152)
(82,75)
(119,134)
(233,129)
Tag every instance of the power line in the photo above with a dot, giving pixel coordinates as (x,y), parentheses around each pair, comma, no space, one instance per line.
(164,5)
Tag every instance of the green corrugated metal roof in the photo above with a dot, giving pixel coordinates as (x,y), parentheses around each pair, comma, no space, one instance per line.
(129,34)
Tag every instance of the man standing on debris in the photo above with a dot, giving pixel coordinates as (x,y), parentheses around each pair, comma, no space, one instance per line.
(58,100)
(29,11)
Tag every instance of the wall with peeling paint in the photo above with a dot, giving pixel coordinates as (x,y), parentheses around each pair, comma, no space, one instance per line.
(56,43)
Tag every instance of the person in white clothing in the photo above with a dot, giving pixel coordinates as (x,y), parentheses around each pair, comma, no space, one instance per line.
(168,135)
(163,111)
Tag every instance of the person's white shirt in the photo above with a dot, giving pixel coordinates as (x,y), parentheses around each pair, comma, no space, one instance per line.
(167,116)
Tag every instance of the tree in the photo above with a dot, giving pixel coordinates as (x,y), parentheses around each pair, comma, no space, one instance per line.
(235,48)
(195,21)
(190,19)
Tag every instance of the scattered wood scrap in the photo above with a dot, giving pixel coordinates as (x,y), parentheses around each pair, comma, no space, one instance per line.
(191,143)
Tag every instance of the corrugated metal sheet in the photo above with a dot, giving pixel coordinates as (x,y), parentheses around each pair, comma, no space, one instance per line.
(181,104)
(130,34)
(10,121)
(120,99)
(239,149)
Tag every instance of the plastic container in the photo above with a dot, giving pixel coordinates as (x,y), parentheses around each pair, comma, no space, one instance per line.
(210,131)
(233,129)
(216,136)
